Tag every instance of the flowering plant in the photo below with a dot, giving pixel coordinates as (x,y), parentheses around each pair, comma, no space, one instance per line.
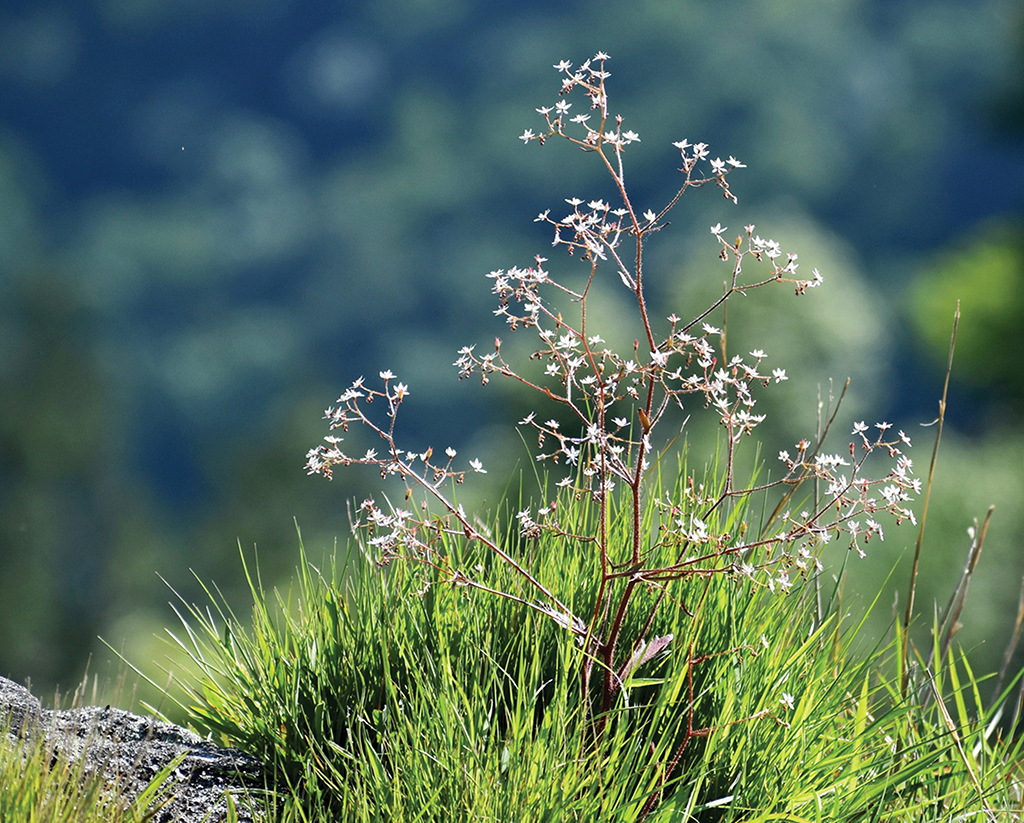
(602,430)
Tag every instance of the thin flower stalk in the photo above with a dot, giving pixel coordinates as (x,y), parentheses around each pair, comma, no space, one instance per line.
(604,411)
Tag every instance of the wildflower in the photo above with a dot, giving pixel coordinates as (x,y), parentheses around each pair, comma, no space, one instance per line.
(527,136)
(477,466)
(787,701)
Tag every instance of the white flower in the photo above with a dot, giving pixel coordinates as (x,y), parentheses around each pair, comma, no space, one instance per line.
(526,136)
(787,700)
(477,466)
(387,375)
(717,229)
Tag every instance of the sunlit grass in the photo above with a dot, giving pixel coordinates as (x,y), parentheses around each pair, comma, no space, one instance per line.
(374,699)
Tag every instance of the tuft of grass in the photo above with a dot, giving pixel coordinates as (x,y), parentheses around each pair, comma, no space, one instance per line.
(377,695)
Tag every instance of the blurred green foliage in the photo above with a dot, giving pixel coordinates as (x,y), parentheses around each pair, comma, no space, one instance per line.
(984,272)
(216,215)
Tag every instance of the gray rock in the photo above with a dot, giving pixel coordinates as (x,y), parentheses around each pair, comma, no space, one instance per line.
(131,750)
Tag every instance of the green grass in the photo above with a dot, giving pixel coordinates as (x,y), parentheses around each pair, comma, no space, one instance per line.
(373,699)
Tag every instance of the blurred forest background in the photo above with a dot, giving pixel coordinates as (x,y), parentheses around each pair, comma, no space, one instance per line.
(215,214)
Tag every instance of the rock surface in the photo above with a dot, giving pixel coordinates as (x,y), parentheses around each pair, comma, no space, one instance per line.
(132,749)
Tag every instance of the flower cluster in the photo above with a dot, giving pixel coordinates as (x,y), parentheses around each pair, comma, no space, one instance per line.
(605,407)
